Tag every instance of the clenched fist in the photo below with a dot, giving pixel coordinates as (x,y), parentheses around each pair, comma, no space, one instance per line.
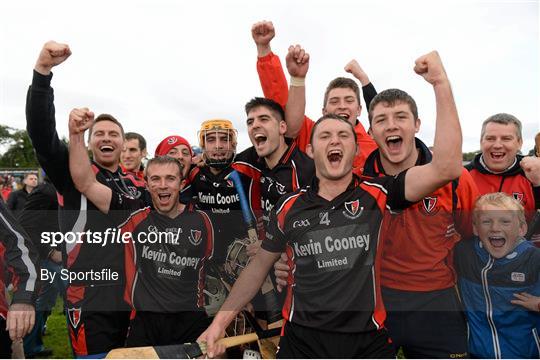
(263,32)
(430,67)
(531,168)
(354,68)
(297,61)
(80,120)
(51,54)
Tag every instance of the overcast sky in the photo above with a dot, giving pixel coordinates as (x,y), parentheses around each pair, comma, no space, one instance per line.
(162,67)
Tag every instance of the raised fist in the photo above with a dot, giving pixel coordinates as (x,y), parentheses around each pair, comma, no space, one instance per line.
(430,67)
(356,70)
(51,54)
(297,61)
(531,168)
(263,32)
(80,120)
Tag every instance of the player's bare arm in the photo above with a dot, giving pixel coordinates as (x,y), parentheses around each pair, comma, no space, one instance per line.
(446,164)
(262,33)
(297,62)
(79,164)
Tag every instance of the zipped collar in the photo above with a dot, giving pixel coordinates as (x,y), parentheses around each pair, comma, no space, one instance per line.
(479,164)
(485,256)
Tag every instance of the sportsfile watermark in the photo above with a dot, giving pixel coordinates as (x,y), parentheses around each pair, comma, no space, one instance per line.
(112,236)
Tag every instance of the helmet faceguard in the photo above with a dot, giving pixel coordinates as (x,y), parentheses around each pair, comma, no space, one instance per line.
(213,129)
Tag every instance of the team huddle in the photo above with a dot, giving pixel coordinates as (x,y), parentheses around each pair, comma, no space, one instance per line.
(355,243)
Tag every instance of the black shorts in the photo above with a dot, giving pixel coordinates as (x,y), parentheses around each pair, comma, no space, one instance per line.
(303,342)
(98,332)
(151,328)
(95,328)
(5,341)
(427,324)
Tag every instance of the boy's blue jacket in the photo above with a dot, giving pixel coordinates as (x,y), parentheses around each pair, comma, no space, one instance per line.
(498,328)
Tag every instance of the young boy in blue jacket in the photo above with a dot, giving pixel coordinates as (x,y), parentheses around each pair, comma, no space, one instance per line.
(499,281)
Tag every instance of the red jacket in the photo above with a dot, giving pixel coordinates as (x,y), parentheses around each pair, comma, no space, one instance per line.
(418,242)
(512,181)
(274,86)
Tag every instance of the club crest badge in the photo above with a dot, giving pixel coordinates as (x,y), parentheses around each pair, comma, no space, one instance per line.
(353,210)
(195,237)
(518,196)
(74,316)
(429,204)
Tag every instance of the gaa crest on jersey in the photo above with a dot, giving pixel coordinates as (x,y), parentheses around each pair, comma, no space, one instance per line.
(353,210)
(74,316)
(230,183)
(428,205)
(195,237)
(518,196)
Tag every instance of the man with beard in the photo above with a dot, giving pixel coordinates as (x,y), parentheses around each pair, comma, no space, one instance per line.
(98,317)
(275,163)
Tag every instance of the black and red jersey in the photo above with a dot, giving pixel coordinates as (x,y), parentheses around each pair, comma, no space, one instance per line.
(164,257)
(293,171)
(76,213)
(218,197)
(333,250)
(419,241)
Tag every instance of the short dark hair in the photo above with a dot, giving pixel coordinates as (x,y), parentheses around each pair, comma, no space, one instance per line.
(106,117)
(163,160)
(391,97)
(331,117)
(342,83)
(267,103)
(503,119)
(136,136)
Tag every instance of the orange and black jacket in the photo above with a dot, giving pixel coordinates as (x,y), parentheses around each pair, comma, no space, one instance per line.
(274,86)
(418,242)
(512,182)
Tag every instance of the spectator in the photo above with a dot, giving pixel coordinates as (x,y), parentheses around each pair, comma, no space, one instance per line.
(18,198)
(132,155)
(499,281)
(40,214)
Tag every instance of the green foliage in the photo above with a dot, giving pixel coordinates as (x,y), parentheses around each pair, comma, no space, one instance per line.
(19,153)
(56,337)
(469,156)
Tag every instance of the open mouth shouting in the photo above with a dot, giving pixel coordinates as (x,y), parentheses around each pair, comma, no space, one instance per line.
(334,157)
(259,139)
(393,143)
(497,241)
(164,198)
(106,149)
(497,155)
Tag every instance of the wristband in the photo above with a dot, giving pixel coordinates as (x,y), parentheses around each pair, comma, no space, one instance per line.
(298,81)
